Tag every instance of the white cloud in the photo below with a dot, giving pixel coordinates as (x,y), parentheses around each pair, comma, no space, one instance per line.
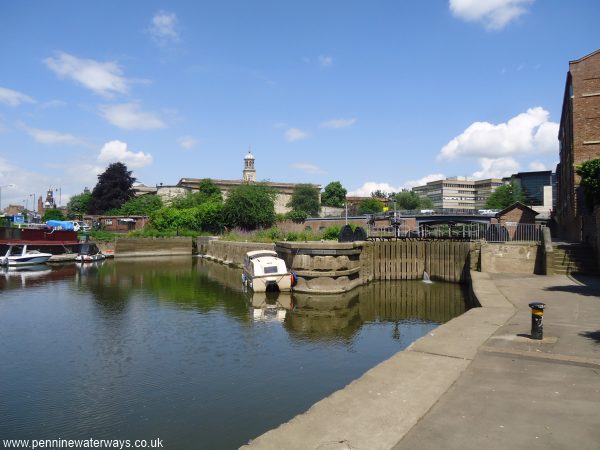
(537,166)
(13,98)
(162,28)
(23,182)
(308,168)
(53,137)
(130,117)
(117,151)
(371,186)
(424,180)
(325,61)
(496,168)
(494,14)
(338,123)
(84,174)
(295,134)
(103,78)
(187,142)
(529,132)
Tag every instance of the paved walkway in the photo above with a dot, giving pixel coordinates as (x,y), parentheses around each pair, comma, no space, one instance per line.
(518,393)
(476,382)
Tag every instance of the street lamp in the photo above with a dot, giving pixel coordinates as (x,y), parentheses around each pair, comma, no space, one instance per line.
(10,186)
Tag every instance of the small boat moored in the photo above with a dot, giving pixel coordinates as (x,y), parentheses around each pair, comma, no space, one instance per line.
(89,252)
(20,255)
(264,271)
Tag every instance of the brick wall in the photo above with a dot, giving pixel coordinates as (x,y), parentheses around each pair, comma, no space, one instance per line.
(580,141)
(518,215)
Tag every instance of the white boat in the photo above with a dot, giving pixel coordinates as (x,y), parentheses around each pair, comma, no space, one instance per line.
(20,255)
(264,271)
(89,252)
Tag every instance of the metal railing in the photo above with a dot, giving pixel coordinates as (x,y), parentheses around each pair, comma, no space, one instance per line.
(465,232)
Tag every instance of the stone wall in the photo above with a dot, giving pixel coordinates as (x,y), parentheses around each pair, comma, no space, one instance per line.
(325,267)
(230,252)
(512,258)
(153,247)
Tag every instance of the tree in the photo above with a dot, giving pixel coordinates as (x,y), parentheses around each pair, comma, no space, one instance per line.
(504,196)
(143,205)
(114,188)
(334,195)
(78,204)
(206,217)
(53,214)
(208,192)
(370,206)
(250,206)
(381,194)
(305,198)
(407,200)
(590,181)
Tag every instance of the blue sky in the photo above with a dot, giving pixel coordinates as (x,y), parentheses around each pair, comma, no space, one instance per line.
(375,94)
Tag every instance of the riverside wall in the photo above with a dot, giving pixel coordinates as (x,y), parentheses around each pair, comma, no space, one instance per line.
(330,267)
(170,246)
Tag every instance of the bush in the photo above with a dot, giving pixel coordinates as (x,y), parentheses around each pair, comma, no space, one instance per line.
(297,216)
(250,206)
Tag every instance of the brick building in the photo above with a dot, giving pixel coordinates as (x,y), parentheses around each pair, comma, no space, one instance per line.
(579,138)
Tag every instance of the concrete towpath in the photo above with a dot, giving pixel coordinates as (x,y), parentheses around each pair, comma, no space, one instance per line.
(476,381)
(518,393)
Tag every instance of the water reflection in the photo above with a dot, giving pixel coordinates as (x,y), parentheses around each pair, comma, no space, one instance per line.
(164,347)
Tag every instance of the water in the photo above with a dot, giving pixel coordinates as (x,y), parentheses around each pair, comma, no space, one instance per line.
(174,349)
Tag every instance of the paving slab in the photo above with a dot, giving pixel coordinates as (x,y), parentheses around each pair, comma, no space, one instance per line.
(522,393)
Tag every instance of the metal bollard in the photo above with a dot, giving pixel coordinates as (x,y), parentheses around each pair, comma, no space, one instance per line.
(537,316)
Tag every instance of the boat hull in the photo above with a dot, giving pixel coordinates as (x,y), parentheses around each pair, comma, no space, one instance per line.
(281,283)
(27,260)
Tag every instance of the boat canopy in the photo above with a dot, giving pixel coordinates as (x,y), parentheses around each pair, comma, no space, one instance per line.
(65,225)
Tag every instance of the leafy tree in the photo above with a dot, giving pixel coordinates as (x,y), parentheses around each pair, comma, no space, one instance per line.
(370,206)
(114,188)
(407,200)
(306,199)
(78,205)
(208,191)
(53,214)
(590,180)
(410,200)
(426,203)
(250,206)
(205,217)
(334,195)
(381,194)
(504,196)
(143,205)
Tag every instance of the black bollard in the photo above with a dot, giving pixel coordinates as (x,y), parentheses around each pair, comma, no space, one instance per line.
(537,316)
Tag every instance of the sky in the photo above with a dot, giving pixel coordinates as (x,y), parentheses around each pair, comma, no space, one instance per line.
(374,94)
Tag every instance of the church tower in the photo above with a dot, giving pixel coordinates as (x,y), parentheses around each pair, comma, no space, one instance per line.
(249,174)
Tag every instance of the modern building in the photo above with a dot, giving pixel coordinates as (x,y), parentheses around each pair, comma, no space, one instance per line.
(458,192)
(579,140)
(539,188)
(185,185)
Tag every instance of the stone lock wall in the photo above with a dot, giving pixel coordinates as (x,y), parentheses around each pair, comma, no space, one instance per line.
(325,267)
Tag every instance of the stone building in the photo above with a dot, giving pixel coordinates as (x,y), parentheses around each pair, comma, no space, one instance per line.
(185,185)
(579,139)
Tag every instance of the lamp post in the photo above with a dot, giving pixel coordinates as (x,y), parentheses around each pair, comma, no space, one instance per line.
(10,186)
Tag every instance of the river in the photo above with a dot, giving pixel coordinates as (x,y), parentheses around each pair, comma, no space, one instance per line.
(174,349)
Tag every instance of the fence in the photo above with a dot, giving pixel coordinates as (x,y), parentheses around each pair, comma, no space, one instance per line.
(462,232)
